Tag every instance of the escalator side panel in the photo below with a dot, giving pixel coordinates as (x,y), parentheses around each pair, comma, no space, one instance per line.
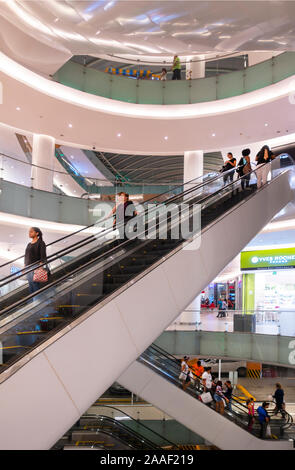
(190,412)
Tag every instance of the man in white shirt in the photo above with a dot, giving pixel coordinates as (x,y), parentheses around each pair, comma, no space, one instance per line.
(207,379)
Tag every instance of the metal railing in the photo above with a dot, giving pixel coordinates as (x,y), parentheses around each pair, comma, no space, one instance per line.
(270,321)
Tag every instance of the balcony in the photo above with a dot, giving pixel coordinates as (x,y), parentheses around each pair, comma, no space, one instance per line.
(177,92)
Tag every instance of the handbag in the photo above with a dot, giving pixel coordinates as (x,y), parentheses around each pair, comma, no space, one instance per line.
(40,275)
(206,397)
(268,431)
(247,169)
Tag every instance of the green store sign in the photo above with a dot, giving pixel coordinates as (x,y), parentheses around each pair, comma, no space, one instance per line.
(278,258)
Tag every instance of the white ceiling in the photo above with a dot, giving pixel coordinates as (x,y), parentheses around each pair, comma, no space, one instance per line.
(37,105)
(44,34)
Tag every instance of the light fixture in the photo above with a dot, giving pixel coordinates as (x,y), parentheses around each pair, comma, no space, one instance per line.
(213,135)
(266,124)
(119,135)
(18,108)
(70,125)
(166,137)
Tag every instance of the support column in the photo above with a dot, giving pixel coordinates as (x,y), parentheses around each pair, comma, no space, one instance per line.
(43,156)
(195,67)
(192,316)
(193,165)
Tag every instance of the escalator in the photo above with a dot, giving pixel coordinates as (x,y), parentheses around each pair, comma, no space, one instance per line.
(155,377)
(103,308)
(82,246)
(112,429)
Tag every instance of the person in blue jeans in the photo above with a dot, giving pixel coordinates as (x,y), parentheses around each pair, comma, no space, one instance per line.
(263,418)
(35,255)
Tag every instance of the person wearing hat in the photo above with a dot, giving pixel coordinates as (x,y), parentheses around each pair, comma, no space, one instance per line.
(244,169)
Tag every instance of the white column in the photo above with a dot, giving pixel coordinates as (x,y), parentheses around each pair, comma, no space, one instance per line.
(193,315)
(43,156)
(195,67)
(193,165)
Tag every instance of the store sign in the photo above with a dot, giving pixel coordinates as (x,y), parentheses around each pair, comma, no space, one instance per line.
(268,259)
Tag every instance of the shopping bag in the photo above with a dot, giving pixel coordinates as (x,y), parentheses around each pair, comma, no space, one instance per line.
(206,397)
(268,431)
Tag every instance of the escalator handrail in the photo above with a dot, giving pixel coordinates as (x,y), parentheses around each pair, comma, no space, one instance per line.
(125,429)
(140,422)
(176,361)
(218,175)
(32,267)
(92,225)
(122,245)
(288,422)
(73,247)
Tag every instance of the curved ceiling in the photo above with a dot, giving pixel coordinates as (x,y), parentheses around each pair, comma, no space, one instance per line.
(141,28)
(37,105)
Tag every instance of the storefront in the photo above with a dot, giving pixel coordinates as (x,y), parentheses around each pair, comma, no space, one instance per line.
(269,279)
(220,290)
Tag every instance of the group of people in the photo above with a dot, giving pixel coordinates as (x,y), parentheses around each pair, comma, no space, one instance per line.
(196,373)
(193,373)
(244,169)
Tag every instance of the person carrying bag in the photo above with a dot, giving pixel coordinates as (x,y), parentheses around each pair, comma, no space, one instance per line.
(244,169)
(35,255)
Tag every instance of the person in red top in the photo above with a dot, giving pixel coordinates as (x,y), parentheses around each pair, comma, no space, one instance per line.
(251,412)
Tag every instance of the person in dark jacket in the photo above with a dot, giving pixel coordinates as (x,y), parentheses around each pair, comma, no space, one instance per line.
(122,213)
(263,158)
(35,255)
(228,393)
(244,168)
(279,399)
(229,164)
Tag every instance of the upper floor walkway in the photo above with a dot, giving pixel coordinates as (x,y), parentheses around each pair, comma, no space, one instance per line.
(198,90)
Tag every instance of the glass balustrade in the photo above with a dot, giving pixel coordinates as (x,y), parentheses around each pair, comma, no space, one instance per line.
(220,86)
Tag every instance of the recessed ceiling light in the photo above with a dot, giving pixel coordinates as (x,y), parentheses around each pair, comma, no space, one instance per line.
(213,135)
(70,125)
(266,124)
(119,135)
(166,137)
(56,20)
(18,108)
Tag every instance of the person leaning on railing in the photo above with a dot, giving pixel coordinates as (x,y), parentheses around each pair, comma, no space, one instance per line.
(229,164)
(176,68)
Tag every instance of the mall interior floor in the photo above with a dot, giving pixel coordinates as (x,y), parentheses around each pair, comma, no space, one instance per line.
(264,387)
